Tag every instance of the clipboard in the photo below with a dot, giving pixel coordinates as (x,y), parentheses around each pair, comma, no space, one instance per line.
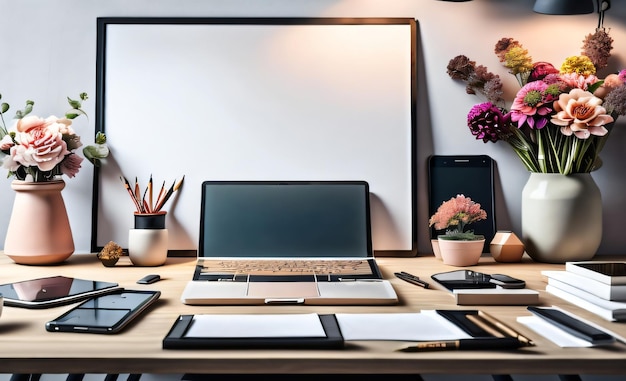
(178,338)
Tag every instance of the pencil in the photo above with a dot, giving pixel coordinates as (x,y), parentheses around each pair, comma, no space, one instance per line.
(130,192)
(150,204)
(505,329)
(137,191)
(161,192)
(165,197)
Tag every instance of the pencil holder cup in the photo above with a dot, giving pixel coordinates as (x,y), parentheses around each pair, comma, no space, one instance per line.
(147,242)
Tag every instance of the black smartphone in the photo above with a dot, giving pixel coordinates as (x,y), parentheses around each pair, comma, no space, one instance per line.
(468,279)
(104,314)
(469,175)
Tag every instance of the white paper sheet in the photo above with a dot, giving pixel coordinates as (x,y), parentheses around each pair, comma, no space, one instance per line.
(553,333)
(424,326)
(256,325)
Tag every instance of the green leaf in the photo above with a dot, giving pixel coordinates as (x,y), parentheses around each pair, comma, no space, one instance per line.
(592,88)
(19,114)
(4,107)
(74,103)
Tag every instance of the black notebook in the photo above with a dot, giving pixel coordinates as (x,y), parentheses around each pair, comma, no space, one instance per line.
(316,332)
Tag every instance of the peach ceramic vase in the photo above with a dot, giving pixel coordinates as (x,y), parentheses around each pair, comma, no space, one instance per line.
(39,231)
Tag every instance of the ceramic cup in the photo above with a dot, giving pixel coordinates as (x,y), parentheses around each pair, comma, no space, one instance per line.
(147,242)
(147,247)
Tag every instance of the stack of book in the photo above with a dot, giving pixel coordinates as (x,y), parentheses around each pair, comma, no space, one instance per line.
(598,286)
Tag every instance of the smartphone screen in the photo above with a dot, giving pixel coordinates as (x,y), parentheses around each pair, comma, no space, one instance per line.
(471,176)
(104,314)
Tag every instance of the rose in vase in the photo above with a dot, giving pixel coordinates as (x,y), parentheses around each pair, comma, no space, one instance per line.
(42,149)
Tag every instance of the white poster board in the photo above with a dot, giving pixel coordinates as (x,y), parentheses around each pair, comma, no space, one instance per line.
(256,99)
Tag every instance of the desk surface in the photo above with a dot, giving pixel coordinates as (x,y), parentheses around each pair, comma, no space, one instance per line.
(26,347)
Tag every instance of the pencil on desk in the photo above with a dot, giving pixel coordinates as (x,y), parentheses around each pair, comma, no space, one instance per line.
(464,344)
(504,328)
(411,279)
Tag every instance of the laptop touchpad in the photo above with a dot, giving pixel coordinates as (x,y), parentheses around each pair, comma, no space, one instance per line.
(282,289)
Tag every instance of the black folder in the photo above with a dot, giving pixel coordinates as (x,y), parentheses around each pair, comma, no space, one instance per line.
(177,339)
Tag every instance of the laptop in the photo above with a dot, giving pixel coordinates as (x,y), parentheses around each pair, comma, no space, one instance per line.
(296,242)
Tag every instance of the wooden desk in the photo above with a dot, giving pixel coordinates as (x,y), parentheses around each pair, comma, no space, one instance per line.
(26,347)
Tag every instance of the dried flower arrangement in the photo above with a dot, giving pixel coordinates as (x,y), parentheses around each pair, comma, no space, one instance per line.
(110,253)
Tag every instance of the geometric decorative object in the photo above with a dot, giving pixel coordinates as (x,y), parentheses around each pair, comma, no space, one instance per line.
(506,247)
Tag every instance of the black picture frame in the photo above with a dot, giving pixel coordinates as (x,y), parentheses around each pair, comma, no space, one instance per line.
(132,80)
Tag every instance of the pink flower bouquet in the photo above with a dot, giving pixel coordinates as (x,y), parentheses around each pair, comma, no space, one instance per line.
(560,118)
(43,149)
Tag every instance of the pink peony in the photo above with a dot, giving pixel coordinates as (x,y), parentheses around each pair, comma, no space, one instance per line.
(579,113)
(574,80)
(40,143)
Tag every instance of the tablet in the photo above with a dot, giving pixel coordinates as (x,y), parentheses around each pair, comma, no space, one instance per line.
(53,291)
(105,313)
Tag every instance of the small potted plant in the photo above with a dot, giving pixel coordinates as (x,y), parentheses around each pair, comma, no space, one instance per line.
(110,254)
(458,246)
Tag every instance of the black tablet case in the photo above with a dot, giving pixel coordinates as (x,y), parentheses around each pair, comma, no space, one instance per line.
(176,339)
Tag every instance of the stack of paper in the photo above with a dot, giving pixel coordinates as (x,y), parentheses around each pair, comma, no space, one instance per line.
(599,293)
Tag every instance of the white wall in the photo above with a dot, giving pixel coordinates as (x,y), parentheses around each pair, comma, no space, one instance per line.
(48,51)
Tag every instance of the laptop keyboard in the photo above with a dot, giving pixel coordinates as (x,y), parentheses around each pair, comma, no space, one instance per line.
(286,267)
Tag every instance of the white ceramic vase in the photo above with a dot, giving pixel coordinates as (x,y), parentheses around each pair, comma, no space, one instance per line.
(460,253)
(561,217)
(39,231)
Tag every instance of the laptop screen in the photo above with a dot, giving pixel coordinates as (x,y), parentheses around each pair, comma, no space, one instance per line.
(285,219)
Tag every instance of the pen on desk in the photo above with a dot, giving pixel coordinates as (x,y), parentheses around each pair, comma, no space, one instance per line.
(411,279)
(465,344)
(504,328)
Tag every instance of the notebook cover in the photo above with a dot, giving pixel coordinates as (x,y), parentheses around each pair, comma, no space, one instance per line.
(176,339)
